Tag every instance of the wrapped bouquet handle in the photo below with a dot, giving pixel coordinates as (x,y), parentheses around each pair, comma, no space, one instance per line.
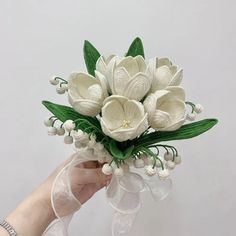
(123,111)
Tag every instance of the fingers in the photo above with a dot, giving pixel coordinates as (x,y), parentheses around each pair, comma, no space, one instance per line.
(89,176)
(88,165)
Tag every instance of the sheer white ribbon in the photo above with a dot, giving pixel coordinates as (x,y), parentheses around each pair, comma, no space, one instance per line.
(123,194)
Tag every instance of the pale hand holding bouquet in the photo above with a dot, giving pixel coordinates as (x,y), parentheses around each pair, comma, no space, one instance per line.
(121,112)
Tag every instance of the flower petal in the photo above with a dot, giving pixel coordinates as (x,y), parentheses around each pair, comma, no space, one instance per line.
(151,68)
(134,112)
(121,78)
(177,78)
(162,78)
(164,61)
(79,83)
(177,91)
(160,119)
(141,63)
(95,93)
(101,65)
(103,82)
(87,107)
(174,107)
(130,64)
(123,134)
(137,87)
(174,126)
(113,114)
(150,104)
(121,99)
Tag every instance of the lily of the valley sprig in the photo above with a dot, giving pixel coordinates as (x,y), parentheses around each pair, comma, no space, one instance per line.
(123,110)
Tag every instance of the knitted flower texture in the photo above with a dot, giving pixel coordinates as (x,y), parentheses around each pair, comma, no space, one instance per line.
(123,109)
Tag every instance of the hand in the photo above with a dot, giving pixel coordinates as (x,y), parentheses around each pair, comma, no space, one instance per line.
(35,213)
(86,179)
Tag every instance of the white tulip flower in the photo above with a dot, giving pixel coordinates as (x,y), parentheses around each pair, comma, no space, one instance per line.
(166,109)
(123,119)
(129,77)
(164,73)
(86,93)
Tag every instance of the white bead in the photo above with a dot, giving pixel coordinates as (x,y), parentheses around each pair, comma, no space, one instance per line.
(139,163)
(191,117)
(68,139)
(80,136)
(54,80)
(61,89)
(170,165)
(198,108)
(77,134)
(163,174)
(60,131)
(168,156)
(48,122)
(177,160)
(69,125)
(119,172)
(107,169)
(150,171)
(52,131)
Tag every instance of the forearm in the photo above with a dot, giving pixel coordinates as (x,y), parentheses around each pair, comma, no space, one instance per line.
(33,215)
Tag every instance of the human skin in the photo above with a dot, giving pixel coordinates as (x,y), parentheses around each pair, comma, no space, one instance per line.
(35,213)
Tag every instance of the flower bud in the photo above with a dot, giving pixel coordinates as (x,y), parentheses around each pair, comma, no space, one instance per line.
(198,108)
(150,171)
(107,169)
(52,131)
(68,139)
(54,80)
(69,125)
(164,174)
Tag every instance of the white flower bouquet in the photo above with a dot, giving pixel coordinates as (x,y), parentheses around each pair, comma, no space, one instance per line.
(122,111)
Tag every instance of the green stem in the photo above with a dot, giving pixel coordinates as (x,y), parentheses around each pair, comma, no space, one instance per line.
(61,79)
(191,104)
(149,152)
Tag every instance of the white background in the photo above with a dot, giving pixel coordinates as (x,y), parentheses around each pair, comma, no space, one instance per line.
(40,38)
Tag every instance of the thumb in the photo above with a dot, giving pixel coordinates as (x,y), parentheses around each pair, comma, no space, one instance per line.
(91,176)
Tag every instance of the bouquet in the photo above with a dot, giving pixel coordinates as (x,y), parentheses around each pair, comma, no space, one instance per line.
(122,112)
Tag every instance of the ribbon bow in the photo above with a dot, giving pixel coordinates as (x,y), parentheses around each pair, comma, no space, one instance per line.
(123,194)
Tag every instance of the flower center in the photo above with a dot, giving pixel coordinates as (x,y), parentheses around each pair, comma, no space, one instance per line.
(125,123)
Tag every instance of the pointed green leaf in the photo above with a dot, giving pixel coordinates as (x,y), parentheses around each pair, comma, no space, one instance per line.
(185,132)
(91,56)
(117,153)
(136,48)
(64,113)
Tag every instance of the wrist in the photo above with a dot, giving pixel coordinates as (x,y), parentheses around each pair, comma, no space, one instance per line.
(34,214)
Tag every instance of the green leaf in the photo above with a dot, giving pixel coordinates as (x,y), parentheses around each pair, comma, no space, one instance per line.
(185,132)
(91,56)
(82,122)
(117,153)
(136,48)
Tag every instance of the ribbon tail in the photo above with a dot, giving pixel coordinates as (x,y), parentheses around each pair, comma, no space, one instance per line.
(63,201)
(122,223)
(159,189)
(58,227)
